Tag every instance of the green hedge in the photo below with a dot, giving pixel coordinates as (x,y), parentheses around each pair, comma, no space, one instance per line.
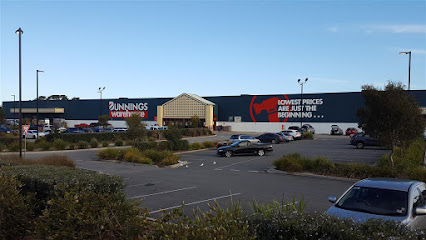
(77,137)
(44,181)
(149,156)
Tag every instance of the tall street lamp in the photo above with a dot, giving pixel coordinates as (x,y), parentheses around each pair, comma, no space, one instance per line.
(37,71)
(14,109)
(409,66)
(301,97)
(20,32)
(100,90)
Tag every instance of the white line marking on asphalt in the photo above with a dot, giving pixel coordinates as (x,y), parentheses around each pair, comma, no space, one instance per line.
(234,170)
(165,192)
(239,162)
(220,169)
(194,203)
(253,171)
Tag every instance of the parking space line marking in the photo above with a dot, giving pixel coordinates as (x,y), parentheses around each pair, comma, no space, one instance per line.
(165,192)
(220,169)
(234,170)
(239,162)
(194,203)
(253,171)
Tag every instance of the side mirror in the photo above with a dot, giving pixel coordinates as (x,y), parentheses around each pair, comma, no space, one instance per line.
(332,199)
(421,210)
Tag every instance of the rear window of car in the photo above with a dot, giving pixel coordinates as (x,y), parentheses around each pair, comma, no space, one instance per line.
(234,137)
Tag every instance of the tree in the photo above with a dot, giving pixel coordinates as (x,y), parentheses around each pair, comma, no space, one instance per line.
(57,97)
(195,121)
(136,129)
(1,115)
(391,115)
(103,120)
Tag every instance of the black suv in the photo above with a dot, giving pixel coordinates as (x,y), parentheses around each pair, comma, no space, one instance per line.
(361,140)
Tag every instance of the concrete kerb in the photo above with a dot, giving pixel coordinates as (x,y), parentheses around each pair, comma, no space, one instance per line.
(304,174)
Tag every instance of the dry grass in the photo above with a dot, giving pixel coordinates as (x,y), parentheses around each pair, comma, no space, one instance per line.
(54,160)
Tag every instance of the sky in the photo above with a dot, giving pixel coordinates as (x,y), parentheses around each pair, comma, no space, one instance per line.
(155,49)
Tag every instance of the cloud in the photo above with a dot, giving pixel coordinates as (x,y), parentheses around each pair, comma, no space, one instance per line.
(396,28)
(332,29)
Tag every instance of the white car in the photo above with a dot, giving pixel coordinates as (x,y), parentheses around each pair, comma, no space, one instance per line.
(33,134)
(236,138)
(296,135)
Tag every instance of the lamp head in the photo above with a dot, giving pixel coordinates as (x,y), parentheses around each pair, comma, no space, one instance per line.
(19,31)
(40,71)
(306,79)
(298,80)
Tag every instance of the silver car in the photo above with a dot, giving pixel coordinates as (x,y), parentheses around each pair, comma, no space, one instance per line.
(403,201)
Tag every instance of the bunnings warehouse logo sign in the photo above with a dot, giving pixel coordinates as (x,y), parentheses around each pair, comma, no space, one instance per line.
(125,110)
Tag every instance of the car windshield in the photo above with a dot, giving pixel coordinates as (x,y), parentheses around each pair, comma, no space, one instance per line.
(375,201)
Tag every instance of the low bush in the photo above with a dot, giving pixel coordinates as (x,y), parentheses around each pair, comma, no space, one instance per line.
(404,159)
(105,144)
(134,155)
(30,146)
(118,143)
(15,211)
(209,144)
(13,147)
(308,135)
(71,146)
(43,145)
(89,215)
(94,143)
(318,165)
(83,144)
(59,144)
(195,146)
(142,146)
(111,154)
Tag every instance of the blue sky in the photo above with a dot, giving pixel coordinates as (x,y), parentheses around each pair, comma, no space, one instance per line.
(144,49)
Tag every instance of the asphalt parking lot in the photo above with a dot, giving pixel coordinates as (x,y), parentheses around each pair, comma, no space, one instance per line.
(208,177)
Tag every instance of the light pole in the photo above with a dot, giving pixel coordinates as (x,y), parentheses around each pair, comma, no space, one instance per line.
(409,66)
(20,32)
(100,90)
(14,110)
(37,71)
(301,97)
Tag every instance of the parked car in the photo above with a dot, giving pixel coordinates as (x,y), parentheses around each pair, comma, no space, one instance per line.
(87,130)
(235,138)
(361,140)
(33,134)
(403,201)
(307,128)
(296,135)
(350,131)
(270,138)
(336,130)
(286,136)
(82,125)
(297,128)
(244,147)
(5,130)
(73,130)
(120,130)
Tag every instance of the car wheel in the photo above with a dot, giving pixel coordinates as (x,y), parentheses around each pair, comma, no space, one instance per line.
(261,152)
(360,145)
(273,141)
(228,154)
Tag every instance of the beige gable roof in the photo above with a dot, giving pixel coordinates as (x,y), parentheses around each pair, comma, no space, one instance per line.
(191,96)
(185,106)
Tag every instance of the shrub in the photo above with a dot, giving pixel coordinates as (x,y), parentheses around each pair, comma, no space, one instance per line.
(195,146)
(83,145)
(59,144)
(15,213)
(145,145)
(30,146)
(94,143)
(105,144)
(89,215)
(308,135)
(118,143)
(13,147)
(134,155)
(43,145)
(111,154)
(71,146)
(209,144)
(161,158)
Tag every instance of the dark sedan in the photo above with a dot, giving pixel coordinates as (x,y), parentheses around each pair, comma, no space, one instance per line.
(270,138)
(244,147)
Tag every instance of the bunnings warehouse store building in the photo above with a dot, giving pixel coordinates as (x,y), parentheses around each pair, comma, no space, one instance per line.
(244,113)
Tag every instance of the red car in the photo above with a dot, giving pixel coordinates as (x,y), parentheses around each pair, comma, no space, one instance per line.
(350,131)
(82,125)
